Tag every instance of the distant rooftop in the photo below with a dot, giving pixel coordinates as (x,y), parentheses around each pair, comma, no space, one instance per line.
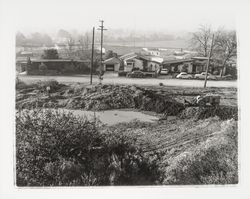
(202,58)
(59,60)
(176,61)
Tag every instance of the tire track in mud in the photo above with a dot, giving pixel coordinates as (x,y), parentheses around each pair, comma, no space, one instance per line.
(180,137)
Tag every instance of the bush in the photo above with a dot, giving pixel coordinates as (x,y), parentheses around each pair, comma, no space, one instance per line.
(69,68)
(214,161)
(50,54)
(53,84)
(59,149)
(198,113)
(122,73)
(20,84)
(42,67)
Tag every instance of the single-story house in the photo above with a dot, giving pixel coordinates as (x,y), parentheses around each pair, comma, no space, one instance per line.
(178,65)
(151,63)
(130,61)
(21,64)
(142,62)
(200,64)
(193,65)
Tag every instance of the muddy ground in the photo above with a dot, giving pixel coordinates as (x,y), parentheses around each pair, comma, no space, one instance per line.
(198,145)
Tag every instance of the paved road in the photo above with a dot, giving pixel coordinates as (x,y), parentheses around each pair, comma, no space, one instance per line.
(113,79)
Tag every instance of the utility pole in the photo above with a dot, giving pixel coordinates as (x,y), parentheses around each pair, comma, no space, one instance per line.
(208,61)
(92,55)
(101,29)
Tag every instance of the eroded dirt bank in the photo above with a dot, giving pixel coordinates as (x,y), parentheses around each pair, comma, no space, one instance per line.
(165,100)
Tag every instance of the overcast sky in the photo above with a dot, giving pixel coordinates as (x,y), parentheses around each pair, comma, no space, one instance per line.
(138,15)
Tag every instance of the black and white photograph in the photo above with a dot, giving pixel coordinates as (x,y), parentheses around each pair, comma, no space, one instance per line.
(124,95)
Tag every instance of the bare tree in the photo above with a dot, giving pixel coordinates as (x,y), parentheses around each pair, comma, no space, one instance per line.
(201,40)
(225,46)
(84,46)
(70,47)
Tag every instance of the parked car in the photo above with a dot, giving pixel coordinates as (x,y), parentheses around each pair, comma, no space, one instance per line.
(136,74)
(227,77)
(184,75)
(164,71)
(203,75)
(122,73)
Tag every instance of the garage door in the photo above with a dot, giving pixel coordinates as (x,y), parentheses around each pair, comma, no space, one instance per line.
(110,67)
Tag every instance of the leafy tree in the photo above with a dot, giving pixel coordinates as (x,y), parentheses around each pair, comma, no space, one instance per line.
(63,34)
(110,54)
(29,64)
(50,54)
(47,40)
(20,39)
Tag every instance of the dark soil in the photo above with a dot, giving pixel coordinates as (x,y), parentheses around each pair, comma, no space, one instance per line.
(166,100)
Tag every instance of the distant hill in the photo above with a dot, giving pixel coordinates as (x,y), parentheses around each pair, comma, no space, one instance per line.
(153,44)
(125,47)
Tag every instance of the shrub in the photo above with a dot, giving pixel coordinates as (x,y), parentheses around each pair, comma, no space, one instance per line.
(53,84)
(223,112)
(20,84)
(42,67)
(69,68)
(122,73)
(60,149)
(50,54)
(214,161)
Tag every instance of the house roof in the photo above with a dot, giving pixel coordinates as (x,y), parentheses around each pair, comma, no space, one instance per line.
(176,61)
(151,58)
(112,60)
(128,56)
(200,58)
(58,60)
(26,53)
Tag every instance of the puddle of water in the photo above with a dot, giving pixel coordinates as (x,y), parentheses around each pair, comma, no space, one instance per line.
(111,117)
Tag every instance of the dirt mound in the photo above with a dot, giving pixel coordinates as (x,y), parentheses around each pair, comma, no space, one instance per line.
(116,97)
(35,102)
(223,112)
(158,102)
